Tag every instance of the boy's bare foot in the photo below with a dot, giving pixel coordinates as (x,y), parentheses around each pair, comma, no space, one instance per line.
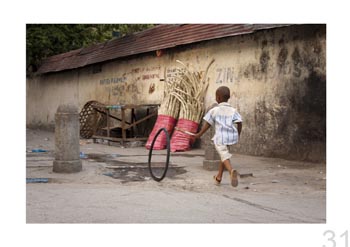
(234,178)
(216,180)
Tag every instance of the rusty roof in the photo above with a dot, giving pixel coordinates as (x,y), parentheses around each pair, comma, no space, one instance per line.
(159,37)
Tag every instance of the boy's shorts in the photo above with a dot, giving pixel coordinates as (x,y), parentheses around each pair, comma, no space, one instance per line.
(223,152)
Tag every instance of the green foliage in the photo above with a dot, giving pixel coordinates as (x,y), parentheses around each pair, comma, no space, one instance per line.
(44,40)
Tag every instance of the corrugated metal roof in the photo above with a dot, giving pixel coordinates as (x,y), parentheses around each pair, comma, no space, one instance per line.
(156,38)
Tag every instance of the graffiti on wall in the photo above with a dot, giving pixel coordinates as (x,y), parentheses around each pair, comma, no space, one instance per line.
(224,75)
(113,80)
(121,89)
(173,73)
(145,73)
(130,82)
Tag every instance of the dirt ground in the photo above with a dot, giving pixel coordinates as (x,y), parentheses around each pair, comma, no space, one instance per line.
(115,187)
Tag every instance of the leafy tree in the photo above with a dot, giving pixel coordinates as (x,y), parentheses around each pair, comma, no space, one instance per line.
(44,40)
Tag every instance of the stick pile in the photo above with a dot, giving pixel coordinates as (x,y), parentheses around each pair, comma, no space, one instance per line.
(189,92)
(183,101)
(185,95)
(170,106)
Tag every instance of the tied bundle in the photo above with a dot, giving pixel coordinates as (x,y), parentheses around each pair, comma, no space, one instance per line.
(190,93)
(168,113)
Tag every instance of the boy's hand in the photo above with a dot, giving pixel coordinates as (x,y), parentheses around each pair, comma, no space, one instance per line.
(198,135)
(194,137)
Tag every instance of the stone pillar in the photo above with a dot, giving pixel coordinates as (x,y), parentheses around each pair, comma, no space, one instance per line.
(67,148)
(211,159)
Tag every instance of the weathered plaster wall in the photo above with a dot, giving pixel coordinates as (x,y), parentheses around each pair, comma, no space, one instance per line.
(46,93)
(277,79)
(279,86)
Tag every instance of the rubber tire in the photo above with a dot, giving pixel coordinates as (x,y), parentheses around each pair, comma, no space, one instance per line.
(158,179)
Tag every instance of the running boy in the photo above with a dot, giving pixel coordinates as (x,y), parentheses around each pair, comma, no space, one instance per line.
(223,117)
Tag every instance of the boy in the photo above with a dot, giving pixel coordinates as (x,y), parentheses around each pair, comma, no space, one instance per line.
(223,117)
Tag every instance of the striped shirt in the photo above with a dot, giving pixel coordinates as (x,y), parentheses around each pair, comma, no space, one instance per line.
(223,117)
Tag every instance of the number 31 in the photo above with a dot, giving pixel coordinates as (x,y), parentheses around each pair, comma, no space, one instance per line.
(332,238)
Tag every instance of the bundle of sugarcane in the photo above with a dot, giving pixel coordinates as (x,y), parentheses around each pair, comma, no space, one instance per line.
(190,94)
(168,113)
(170,106)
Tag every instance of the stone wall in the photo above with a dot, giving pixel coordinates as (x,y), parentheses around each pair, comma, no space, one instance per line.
(277,79)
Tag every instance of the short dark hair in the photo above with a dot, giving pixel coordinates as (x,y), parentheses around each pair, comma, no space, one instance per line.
(224,92)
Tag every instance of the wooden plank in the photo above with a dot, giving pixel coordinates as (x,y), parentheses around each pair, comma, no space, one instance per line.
(123,126)
(108,120)
(111,116)
(107,138)
(120,139)
(111,128)
(141,120)
(130,106)
(132,121)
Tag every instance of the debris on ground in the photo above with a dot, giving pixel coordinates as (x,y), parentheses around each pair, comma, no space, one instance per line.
(83,155)
(38,150)
(37,180)
(244,175)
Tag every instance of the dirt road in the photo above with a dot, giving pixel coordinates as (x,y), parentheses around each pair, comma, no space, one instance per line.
(115,187)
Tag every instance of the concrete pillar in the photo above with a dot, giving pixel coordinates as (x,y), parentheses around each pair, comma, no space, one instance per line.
(211,159)
(67,148)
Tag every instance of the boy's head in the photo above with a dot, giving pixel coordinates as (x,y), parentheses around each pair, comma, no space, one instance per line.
(222,94)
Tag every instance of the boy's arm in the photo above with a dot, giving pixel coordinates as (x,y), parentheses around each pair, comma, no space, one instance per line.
(205,127)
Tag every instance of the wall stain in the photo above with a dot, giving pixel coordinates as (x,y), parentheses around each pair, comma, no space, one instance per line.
(297,62)
(264,61)
(281,42)
(282,58)
(250,71)
(312,59)
(151,88)
(303,121)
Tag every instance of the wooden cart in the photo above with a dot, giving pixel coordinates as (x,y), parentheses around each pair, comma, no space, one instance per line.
(151,110)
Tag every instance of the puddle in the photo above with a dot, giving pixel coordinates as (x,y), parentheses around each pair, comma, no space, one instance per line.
(115,155)
(141,173)
(134,171)
(102,157)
